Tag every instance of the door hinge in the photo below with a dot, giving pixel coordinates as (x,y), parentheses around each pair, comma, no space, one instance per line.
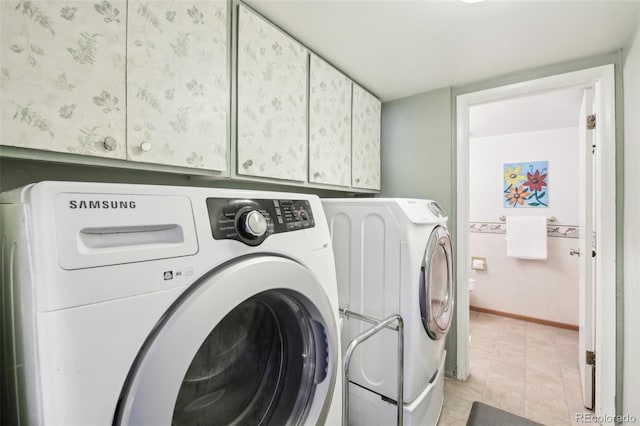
(591,358)
(591,121)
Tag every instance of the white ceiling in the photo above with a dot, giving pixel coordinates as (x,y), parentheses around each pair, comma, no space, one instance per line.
(397,48)
(551,110)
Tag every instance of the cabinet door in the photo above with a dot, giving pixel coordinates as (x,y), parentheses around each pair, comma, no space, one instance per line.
(177,85)
(272,101)
(329,125)
(365,172)
(62,76)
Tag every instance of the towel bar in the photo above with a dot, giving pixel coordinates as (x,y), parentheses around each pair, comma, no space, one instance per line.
(549,219)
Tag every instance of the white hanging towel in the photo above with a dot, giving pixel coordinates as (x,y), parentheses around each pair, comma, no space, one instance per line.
(527,237)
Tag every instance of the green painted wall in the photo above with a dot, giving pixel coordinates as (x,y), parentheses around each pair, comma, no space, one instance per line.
(17,172)
(416,147)
(629,343)
(418,157)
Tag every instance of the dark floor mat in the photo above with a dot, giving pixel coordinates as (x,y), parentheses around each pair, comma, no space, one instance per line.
(486,415)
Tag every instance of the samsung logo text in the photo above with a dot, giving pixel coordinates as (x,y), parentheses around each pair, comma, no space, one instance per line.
(98,204)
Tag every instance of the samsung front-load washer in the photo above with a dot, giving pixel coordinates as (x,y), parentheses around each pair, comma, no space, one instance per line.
(394,256)
(158,305)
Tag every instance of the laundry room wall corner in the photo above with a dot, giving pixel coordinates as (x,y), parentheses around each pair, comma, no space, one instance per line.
(416,148)
(418,160)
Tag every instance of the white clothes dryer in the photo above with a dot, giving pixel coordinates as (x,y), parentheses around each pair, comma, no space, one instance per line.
(394,256)
(159,305)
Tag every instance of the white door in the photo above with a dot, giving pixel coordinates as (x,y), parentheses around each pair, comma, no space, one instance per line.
(254,342)
(586,320)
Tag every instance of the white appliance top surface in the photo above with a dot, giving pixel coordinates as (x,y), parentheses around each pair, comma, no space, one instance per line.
(417,210)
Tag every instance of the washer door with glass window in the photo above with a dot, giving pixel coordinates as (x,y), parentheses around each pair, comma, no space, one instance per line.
(252,343)
(437,284)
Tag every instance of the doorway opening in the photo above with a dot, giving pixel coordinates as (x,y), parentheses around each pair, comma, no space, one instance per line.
(601,79)
(523,294)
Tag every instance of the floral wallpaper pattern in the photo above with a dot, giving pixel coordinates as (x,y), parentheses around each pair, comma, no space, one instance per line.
(365,140)
(62,75)
(272,101)
(153,77)
(329,125)
(76,72)
(177,85)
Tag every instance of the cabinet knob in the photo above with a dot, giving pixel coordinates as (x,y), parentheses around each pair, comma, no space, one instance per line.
(145,146)
(110,143)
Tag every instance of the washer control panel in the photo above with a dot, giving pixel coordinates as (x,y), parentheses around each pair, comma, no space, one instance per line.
(252,221)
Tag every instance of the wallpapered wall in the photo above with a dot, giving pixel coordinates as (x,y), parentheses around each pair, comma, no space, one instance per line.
(545,289)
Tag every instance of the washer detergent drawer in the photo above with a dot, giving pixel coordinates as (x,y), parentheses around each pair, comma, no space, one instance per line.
(109,229)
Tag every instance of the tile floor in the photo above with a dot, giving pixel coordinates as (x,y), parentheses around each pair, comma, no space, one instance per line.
(525,368)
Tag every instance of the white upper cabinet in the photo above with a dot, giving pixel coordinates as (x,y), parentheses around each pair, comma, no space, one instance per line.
(365,149)
(144,81)
(62,74)
(150,82)
(271,101)
(177,85)
(329,125)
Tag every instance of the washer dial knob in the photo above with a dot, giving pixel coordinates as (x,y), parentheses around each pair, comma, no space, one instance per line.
(253,224)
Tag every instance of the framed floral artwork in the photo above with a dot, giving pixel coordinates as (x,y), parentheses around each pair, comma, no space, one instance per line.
(526,184)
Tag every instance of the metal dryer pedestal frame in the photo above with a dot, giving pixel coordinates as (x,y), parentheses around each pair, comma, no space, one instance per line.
(378,325)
